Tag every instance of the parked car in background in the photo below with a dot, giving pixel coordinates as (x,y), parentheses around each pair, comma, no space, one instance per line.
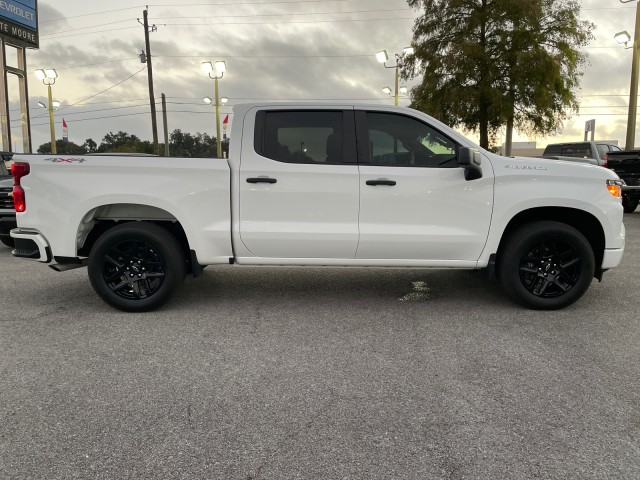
(586,152)
(627,165)
(7,211)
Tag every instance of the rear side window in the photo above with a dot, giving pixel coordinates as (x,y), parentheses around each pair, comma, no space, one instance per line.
(578,150)
(301,136)
(603,149)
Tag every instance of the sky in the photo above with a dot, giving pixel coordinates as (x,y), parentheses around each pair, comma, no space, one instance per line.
(274,50)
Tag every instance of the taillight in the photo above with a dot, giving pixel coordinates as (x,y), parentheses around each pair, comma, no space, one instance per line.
(606,161)
(19,170)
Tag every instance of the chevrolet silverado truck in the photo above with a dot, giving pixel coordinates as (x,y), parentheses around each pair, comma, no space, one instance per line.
(322,185)
(586,152)
(627,165)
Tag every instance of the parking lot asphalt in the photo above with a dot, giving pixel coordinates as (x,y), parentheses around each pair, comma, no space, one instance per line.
(295,373)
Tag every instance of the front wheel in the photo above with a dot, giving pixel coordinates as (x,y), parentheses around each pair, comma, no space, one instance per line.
(629,204)
(546,265)
(136,266)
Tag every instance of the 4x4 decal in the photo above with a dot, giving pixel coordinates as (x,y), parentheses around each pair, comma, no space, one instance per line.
(64,160)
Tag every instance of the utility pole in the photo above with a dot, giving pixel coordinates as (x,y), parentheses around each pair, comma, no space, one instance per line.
(166,128)
(152,100)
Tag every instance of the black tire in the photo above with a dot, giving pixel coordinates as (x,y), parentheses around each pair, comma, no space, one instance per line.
(629,204)
(137,266)
(8,241)
(545,265)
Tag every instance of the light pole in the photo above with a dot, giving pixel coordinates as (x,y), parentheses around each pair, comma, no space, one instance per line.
(383,57)
(216,71)
(48,77)
(212,102)
(633,90)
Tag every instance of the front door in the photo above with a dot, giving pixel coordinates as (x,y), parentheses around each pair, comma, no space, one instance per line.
(415,202)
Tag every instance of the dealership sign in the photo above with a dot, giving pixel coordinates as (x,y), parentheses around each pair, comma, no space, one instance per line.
(19,22)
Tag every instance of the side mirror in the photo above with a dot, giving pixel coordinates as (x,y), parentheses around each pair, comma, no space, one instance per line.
(470,160)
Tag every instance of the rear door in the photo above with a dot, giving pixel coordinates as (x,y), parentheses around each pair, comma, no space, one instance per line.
(299,184)
(415,202)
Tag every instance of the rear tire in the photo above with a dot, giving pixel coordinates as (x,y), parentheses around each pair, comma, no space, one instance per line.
(546,265)
(8,241)
(137,266)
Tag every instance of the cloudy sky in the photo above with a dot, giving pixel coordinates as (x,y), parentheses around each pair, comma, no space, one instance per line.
(274,50)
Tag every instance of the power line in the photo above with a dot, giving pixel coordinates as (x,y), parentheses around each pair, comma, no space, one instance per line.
(98,63)
(283,14)
(137,7)
(105,90)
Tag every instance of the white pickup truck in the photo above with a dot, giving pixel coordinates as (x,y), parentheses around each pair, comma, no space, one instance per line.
(325,185)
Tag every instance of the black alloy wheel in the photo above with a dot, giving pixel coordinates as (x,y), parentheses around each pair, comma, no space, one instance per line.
(136,266)
(546,265)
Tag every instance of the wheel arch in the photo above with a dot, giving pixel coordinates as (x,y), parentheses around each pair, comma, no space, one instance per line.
(104,217)
(584,222)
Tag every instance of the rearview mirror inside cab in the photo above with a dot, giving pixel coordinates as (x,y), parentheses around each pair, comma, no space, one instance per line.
(470,160)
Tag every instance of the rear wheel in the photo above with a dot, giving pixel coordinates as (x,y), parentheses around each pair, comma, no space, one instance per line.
(546,265)
(136,266)
(8,241)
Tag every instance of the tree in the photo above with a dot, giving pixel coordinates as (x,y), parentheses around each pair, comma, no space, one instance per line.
(123,142)
(62,147)
(90,145)
(182,144)
(490,63)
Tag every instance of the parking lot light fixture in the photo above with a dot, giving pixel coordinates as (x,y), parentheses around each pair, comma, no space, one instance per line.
(383,57)
(623,38)
(48,77)
(387,90)
(216,71)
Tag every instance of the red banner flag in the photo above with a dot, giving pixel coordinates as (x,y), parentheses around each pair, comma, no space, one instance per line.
(65,131)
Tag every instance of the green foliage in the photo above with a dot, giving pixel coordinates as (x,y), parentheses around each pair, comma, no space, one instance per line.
(488,63)
(62,147)
(122,142)
(181,144)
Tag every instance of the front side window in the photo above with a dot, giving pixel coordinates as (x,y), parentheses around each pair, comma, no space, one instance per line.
(302,136)
(401,141)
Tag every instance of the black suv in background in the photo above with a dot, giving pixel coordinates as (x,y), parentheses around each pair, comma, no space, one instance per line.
(7,212)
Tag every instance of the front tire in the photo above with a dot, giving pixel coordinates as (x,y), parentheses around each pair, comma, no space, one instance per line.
(136,267)
(546,265)
(629,204)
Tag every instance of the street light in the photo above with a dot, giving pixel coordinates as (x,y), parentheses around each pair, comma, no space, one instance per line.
(55,103)
(633,90)
(383,58)
(48,77)
(401,91)
(215,72)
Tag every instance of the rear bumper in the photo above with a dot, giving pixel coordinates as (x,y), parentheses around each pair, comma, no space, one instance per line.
(31,244)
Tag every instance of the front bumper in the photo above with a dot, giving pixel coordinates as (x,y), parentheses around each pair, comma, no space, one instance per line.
(31,244)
